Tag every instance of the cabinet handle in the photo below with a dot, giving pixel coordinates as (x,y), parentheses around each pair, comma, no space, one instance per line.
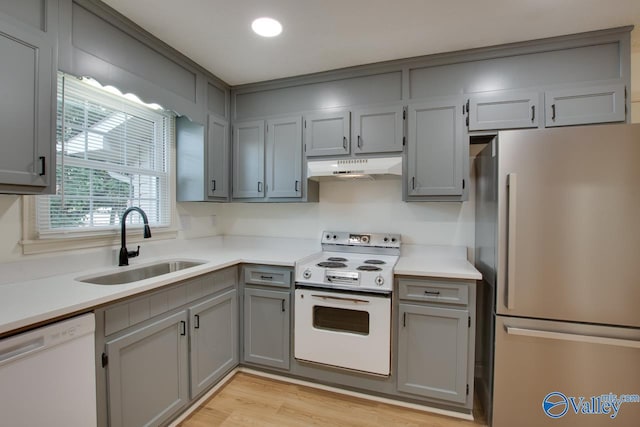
(295,187)
(511,240)
(359,142)
(266,277)
(183,328)
(553,112)
(404,319)
(432,292)
(43,165)
(259,187)
(196,322)
(213,185)
(344,142)
(533,113)
(413,182)
(283,306)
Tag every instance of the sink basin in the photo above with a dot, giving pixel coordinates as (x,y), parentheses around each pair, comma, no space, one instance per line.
(140,273)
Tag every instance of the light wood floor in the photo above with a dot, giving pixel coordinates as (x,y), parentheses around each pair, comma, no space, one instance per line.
(249,400)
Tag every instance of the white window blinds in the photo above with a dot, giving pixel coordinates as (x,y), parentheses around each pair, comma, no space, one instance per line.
(112,153)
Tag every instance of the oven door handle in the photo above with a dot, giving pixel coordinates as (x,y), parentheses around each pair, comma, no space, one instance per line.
(353,300)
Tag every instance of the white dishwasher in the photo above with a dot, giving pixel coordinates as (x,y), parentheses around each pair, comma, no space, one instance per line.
(47,376)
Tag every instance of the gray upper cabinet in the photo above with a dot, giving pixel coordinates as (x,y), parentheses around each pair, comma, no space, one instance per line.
(248,159)
(148,373)
(218,157)
(503,110)
(214,340)
(327,133)
(284,157)
(435,154)
(377,130)
(432,352)
(266,327)
(27,108)
(584,105)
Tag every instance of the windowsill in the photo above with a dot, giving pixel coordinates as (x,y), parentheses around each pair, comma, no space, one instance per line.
(67,242)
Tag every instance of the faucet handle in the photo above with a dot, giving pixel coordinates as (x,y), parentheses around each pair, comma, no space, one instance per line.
(134,253)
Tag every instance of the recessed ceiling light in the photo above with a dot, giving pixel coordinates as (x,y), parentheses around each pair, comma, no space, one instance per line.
(266,27)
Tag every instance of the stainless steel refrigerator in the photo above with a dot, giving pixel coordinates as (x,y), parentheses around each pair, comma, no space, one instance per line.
(558,243)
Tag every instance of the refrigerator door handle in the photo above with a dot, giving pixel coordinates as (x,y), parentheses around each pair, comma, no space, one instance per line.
(511,240)
(617,342)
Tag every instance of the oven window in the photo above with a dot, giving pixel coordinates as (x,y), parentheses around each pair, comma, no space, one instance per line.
(341,320)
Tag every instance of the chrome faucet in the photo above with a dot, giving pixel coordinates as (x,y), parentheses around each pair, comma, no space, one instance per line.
(124,253)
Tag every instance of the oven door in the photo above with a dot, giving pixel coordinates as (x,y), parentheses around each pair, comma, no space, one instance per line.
(346,330)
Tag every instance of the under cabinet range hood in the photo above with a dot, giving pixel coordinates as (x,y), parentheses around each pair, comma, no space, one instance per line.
(365,168)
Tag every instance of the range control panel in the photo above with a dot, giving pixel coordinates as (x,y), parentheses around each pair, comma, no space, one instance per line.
(344,238)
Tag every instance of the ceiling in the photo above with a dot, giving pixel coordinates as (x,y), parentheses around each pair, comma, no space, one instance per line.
(327,34)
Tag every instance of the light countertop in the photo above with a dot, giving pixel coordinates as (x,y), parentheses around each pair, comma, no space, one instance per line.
(39,290)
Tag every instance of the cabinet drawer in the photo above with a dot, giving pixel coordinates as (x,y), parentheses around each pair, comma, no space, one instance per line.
(434,290)
(268,276)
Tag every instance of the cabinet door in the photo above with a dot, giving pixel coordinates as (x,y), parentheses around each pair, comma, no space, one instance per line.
(218,157)
(148,373)
(377,130)
(433,351)
(327,134)
(284,157)
(266,327)
(27,156)
(578,106)
(503,110)
(248,159)
(214,340)
(435,155)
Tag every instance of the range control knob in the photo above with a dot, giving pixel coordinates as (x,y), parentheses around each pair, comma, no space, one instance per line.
(386,239)
(364,239)
(379,280)
(306,274)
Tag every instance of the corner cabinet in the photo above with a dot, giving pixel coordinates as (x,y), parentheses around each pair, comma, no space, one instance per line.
(327,133)
(436,151)
(248,159)
(267,160)
(214,340)
(27,105)
(148,373)
(436,338)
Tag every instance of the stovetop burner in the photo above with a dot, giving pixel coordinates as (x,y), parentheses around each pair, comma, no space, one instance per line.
(374,261)
(337,258)
(331,264)
(369,268)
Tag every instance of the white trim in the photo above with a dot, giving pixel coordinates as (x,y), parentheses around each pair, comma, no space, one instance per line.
(423,408)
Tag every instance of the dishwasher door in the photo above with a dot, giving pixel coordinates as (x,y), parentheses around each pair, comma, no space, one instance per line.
(47,376)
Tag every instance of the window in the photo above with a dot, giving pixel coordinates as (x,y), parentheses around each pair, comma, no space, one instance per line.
(112,153)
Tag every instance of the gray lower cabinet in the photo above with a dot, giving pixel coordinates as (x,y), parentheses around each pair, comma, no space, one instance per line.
(284,157)
(435,152)
(503,110)
(585,105)
(327,133)
(213,329)
(148,373)
(248,159)
(217,157)
(27,108)
(432,352)
(267,327)
(378,130)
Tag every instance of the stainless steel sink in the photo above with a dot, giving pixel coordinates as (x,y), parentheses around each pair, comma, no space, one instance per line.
(140,273)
